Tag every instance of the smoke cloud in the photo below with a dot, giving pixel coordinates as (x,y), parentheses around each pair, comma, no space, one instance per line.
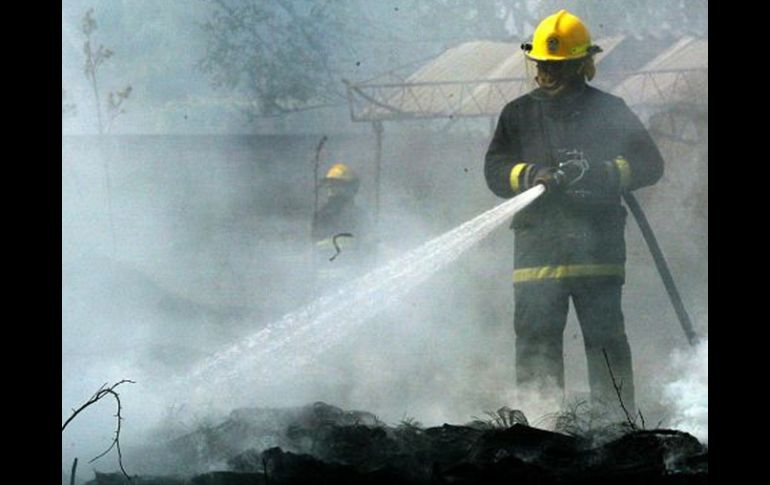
(687,396)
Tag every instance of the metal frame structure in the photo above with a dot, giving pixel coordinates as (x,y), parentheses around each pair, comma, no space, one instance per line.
(680,85)
(453,95)
(657,89)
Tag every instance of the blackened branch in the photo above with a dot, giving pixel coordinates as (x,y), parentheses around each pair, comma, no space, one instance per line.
(73,471)
(105,391)
(617,391)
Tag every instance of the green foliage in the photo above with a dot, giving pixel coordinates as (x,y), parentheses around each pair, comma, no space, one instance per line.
(278,51)
(287,55)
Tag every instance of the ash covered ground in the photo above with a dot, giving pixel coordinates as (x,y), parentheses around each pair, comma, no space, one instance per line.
(320,443)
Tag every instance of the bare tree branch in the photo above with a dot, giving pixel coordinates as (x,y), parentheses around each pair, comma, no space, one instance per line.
(617,391)
(73,471)
(104,391)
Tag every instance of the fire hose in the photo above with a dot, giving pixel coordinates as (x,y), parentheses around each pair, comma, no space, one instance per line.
(662,266)
(573,170)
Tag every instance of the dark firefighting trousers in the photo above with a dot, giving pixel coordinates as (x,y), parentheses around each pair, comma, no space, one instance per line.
(540,316)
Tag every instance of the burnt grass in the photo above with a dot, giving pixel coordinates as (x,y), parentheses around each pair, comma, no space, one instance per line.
(323,444)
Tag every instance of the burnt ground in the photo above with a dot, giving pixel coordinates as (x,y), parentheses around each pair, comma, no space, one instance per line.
(323,444)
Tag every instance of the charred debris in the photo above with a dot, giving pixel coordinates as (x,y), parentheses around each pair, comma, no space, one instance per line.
(324,444)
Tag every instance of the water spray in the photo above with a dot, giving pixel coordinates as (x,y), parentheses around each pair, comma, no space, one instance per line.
(289,344)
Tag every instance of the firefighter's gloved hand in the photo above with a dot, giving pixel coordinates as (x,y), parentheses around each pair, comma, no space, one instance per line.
(596,183)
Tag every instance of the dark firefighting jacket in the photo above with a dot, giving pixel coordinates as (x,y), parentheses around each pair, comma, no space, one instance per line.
(578,232)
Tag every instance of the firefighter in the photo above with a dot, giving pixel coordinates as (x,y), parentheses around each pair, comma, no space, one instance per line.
(586,146)
(341,230)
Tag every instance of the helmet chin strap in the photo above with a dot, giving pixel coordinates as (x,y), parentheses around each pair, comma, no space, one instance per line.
(552,90)
(558,88)
(588,68)
(584,71)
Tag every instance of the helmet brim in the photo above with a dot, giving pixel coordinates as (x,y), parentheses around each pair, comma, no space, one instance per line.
(555,58)
(335,182)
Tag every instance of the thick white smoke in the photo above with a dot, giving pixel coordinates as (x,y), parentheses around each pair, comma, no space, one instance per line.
(687,396)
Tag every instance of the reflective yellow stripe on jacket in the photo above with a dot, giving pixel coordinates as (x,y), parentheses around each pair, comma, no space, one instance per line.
(514,176)
(624,170)
(567,271)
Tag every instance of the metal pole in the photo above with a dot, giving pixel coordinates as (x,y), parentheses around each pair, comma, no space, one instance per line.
(316,164)
(378,130)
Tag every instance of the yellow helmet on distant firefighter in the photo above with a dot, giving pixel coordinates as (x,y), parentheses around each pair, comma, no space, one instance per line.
(340,175)
(560,37)
(341,172)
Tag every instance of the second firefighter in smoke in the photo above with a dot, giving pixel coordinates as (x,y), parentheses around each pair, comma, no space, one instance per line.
(342,231)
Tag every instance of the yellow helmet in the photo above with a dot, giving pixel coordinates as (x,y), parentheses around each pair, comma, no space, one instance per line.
(341,172)
(560,37)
